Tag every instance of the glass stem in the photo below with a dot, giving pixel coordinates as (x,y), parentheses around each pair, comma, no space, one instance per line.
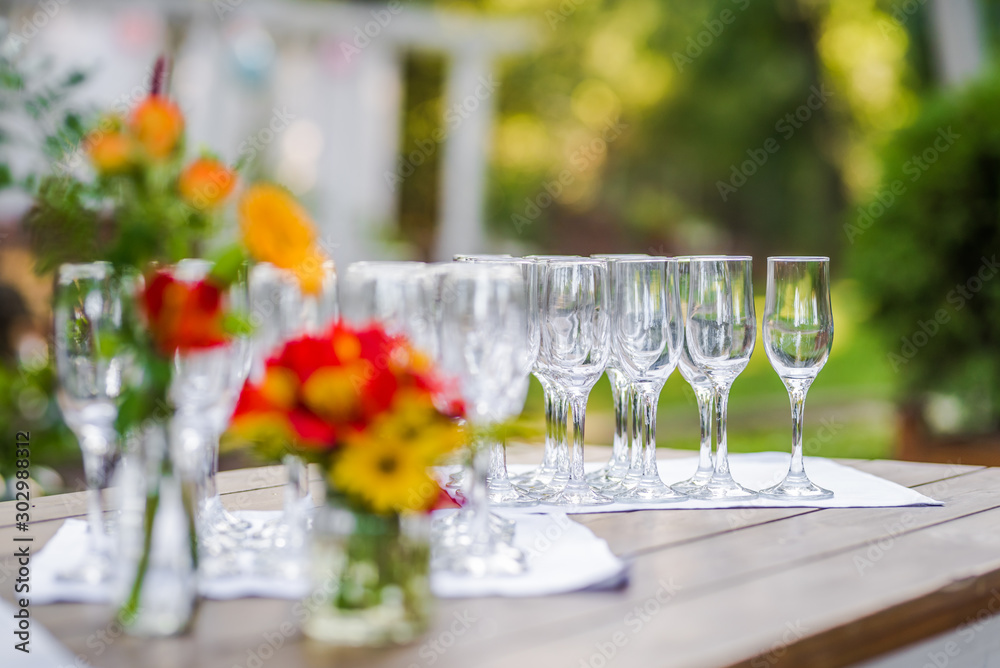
(578,405)
(722,447)
(478,493)
(561,431)
(619,448)
(498,461)
(550,460)
(797,397)
(635,465)
(704,397)
(211,468)
(649,469)
(97,458)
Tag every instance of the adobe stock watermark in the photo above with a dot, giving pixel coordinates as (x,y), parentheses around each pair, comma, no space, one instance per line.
(914,168)
(699,43)
(432,649)
(580,160)
(453,117)
(901,14)
(878,548)
(792,633)
(786,127)
(957,299)
(33,23)
(635,621)
(363,35)
(565,10)
(255,144)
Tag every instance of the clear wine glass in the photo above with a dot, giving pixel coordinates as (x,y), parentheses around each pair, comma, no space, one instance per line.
(501,491)
(703,393)
(798,335)
(88,315)
(552,475)
(484,342)
(576,348)
(203,389)
(615,470)
(721,331)
(647,336)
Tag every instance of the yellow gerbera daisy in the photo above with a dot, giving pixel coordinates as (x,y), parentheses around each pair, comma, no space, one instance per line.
(388,476)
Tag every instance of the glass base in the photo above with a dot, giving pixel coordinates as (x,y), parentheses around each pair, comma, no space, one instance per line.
(694,483)
(221,518)
(502,494)
(792,489)
(534,480)
(554,486)
(650,490)
(577,493)
(483,559)
(456,527)
(723,489)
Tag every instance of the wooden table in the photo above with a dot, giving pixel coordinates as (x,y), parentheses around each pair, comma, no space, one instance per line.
(743,587)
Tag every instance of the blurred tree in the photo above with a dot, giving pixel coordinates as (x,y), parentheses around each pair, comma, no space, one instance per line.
(688,126)
(926,251)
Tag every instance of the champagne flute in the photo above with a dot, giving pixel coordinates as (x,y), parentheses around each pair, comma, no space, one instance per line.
(798,335)
(721,331)
(87,316)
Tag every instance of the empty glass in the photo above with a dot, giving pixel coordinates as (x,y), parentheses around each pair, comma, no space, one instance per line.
(798,335)
(88,316)
(618,465)
(502,492)
(204,389)
(703,393)
(484,344)
(721,331)
(575,349)
(383,292)
(647,336)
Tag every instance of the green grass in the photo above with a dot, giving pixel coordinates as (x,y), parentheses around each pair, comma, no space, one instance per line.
(848,411)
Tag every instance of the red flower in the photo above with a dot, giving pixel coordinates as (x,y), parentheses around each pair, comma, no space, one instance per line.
(183,316)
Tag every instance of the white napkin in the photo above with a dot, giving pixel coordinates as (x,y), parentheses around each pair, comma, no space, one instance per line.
(563,556)
(852,488)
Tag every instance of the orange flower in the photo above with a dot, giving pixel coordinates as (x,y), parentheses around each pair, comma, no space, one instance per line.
(157,125)
(183,316)
(109,151)
(206,182)
(276,229)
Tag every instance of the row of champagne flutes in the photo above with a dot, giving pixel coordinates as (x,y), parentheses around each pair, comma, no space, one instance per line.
(489,321)
(568,320)
(90,307)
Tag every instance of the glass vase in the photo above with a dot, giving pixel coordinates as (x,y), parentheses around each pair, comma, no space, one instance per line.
(157,586)
(371,578)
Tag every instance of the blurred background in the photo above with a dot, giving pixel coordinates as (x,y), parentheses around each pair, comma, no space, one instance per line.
(866,130)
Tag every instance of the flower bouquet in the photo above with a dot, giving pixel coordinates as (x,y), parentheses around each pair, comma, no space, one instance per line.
(370,411)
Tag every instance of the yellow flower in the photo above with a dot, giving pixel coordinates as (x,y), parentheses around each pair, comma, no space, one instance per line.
(280,386)
(276,229)
(414,421)
(388,476)
(333,392)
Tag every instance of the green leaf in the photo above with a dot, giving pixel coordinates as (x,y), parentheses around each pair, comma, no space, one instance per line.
(229,264)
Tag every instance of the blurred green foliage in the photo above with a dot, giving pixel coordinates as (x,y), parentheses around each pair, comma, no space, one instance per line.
(657,114)
(926,250)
